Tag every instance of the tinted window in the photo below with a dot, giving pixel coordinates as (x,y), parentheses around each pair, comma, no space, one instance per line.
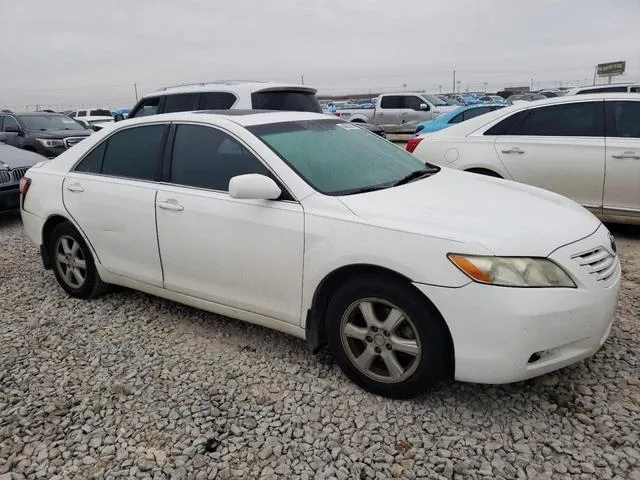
(292,101)
(474,112)
(100,113)
(72,114)
(604,90)
(623,119)
(391,101)
(179,103)
(81,113)
(216,101)
(457,119)
(569,120)
(413,102)
(147,107)
(92,163)
(208,158)
(635,89)
(135,152)
(506,126)
(9,121)
(50,122)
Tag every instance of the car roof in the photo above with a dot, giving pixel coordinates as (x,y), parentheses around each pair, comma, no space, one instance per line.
(32,114)
(469,126)
(245,118)
(231,85)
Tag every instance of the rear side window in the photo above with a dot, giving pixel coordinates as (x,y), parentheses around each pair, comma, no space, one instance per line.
(391,101)
(506,126)
(288,100)
(92,163)
(216,101)
(205,157)
(182,102)
(135,152)
(81,113)
(474,112)
(623,119)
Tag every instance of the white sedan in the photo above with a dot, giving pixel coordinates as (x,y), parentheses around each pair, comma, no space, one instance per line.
(585,147)
(315,227)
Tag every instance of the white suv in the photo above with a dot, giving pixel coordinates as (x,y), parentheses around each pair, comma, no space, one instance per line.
(227,95)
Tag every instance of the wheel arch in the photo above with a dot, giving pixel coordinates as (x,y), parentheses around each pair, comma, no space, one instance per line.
(315,328)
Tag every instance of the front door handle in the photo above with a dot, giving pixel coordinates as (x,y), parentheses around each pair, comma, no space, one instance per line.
(75,187)
(171,204)
(404,113)
(632,155)
(513,150)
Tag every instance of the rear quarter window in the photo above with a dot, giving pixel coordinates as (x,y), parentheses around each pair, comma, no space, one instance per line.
(287,100)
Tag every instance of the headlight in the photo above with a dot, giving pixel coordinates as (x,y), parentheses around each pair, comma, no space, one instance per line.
(49,143)
(512,271)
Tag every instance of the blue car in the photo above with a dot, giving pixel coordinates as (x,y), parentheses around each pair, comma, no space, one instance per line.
(459,115)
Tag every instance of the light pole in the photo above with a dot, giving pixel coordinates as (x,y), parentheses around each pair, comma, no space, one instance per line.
(458,82)
(404,85)
(485,86)
(439,88)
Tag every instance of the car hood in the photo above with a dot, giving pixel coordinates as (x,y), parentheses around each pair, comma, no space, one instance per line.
(15,157)
(505,217)
(60,133)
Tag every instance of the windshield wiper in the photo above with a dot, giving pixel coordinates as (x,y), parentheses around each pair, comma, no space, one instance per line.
(371,188)
(415,175)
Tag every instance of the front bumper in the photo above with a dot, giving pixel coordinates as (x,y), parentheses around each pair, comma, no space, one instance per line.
(503,335)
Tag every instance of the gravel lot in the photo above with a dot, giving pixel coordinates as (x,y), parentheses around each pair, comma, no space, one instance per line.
(130,385)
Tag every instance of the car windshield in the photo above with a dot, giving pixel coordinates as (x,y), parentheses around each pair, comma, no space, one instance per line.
(50,122)
(339,158)
(435,100)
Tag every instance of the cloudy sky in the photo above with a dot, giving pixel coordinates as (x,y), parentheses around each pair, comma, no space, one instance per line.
(69,52)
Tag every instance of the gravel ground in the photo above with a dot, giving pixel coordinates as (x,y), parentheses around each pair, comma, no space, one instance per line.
(132,386)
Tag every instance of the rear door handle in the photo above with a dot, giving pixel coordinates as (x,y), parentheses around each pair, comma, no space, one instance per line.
(513,150)
(171,204)
(632,155)
(75,187)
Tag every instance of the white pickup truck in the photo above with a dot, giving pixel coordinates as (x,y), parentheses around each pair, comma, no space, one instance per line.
(398,112)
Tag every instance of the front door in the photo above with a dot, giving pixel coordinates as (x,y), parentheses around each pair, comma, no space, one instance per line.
(245,254)
(388,112)
(111,196)
(412,114)
(558,148)
(622,182)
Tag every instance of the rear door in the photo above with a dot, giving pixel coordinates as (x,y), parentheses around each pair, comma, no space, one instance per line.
(622,182)
(387,113)
(111,195)
(559,148)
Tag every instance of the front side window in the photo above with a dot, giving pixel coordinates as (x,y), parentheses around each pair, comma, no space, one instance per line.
(623,119)
(182,102)
(216,101)
(413,102)
(82,113)
(205,157)
(391,101)
(148,106)
(135,152)
(338,158)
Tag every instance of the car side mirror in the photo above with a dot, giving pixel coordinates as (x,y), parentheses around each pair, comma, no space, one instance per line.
(118,117)
(424,107)
(12,129)
(253,186)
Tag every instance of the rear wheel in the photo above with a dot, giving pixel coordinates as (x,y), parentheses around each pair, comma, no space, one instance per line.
(387,338)
(73,263)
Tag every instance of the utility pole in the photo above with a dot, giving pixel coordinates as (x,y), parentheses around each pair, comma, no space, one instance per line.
(135,88)
(595,71)
(439,88)
(458,83)
(454,81)
(302,79)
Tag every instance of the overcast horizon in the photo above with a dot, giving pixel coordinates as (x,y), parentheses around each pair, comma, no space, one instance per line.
(72,53)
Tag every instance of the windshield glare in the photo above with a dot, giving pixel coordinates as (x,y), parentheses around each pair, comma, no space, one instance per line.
(337,158)
(50,122)
(435,100)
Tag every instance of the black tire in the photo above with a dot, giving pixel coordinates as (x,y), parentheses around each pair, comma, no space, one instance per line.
(435,362)
(92,286)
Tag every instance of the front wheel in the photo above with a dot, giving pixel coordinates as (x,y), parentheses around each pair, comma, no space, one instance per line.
(387,338)
(73,263)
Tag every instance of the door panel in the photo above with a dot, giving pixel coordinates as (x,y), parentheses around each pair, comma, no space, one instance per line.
(245,254)
(411,115)
(118,218)
(388,112)
(622,182)
(573,167)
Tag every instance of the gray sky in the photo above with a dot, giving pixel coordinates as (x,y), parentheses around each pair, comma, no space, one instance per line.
(69,52)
